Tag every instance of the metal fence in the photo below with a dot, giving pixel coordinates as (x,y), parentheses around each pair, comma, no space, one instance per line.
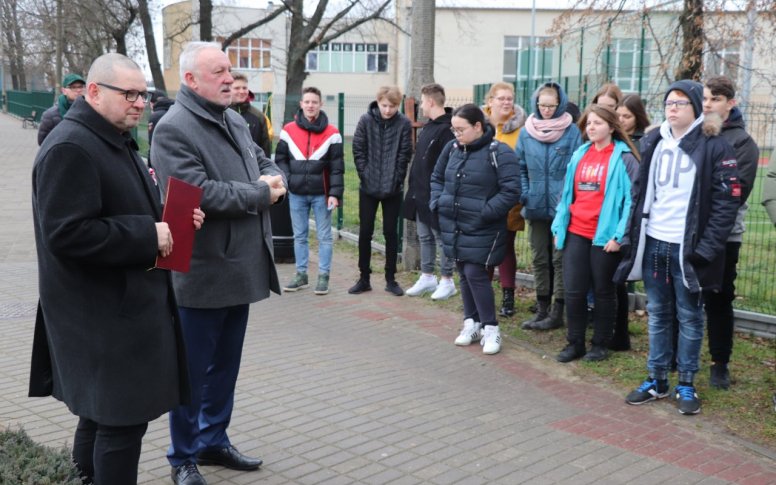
(24,103)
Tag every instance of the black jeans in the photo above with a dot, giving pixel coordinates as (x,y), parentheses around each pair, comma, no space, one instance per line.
(367,210)
(479,302)
(107,455)
(719,308)
(583,265)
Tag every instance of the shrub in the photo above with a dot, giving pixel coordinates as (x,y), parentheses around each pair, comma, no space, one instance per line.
(24,462)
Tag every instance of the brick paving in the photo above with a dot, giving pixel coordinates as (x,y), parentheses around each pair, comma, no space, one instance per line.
(369,389)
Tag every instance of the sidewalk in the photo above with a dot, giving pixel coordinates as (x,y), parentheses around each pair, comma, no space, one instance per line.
(341,389)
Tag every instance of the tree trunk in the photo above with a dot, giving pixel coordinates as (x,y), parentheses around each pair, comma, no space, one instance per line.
(295,69)
(691,22)
(206,20)
(150,41)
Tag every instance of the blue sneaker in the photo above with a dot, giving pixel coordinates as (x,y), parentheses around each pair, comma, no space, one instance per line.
(687,399)
(650,390)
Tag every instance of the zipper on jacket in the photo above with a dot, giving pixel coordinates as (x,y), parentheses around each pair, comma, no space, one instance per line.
(492,247)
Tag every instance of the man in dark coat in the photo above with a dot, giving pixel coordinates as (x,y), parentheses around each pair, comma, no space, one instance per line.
(255,119)
(204,143)
(432,139)
(159,103)
(107,336)
(72,87)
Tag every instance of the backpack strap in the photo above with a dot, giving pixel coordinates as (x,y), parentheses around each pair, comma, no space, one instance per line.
(493,148)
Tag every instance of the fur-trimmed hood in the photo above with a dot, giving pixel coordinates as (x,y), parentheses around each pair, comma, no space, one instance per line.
(514,123)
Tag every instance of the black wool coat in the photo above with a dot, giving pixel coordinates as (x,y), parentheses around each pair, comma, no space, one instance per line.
(431,140)
(107,336)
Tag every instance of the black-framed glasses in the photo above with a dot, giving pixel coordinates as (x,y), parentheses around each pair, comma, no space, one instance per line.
(679,103)
(130,95)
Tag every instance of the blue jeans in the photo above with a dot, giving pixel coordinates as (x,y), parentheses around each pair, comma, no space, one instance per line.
(431,240)
(300,206)
(668,296)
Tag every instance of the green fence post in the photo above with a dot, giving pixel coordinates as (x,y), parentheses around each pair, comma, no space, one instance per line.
(641,54)
(341,128)
(581,59)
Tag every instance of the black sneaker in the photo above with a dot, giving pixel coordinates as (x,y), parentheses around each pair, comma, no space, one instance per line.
(569,353)
(394,288)
(649,390)
(597,353)
(687,399)
(720,376)
(361,286)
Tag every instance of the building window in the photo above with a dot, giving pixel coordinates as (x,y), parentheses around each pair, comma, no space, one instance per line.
(627,65)
(522,63)
(722,59)
(249,53)
(348,57)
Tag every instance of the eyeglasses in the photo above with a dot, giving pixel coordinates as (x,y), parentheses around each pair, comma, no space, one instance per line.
(504,99)
(76,86)
(130,95)
(678,103)
(548,106)
(458,132)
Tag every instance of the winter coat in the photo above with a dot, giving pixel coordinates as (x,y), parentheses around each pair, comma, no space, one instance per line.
(107,339)
(620,189)
(543,165)
(209,146)
(161,106)
(507,133)
(257,125)
(472,194)
(48,120)
(747,157)
(431,140)
(382,150)
(310,154)
(714,203)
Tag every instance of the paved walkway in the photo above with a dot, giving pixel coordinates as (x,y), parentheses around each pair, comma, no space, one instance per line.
(343,389)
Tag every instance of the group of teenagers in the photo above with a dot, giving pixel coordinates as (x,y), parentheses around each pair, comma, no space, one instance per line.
(606,199)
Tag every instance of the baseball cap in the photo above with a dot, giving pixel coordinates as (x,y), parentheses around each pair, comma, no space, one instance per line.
(72,78)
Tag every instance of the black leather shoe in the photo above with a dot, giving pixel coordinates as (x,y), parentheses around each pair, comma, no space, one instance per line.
(569,353)
(597,353)
(228,457)
(187,474)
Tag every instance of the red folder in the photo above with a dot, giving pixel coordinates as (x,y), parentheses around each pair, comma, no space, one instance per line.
(179,203)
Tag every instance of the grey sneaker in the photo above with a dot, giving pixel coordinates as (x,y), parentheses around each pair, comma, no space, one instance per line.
(296,284)
(322,287)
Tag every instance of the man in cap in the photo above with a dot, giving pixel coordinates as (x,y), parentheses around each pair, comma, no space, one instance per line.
(688,200)
(72,87)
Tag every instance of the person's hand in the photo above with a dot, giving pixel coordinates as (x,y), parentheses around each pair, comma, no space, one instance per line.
(332,203)
(199,218)
(164,239)
(276,193)
(274,181)
(555,241)
(612,247)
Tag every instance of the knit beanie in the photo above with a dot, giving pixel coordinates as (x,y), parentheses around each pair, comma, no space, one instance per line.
(691,89)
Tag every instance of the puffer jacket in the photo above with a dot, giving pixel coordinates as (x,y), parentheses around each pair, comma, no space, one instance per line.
(48,120)
(543,165)
(310,154)
(508,132)
(712,210)
(472,194)
(382,150)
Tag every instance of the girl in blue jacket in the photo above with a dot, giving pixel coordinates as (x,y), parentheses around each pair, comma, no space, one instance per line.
(590,225)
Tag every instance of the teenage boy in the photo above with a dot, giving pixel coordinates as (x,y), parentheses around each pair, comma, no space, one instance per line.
(433,137)
(686,207)
(719,98)
(310,154)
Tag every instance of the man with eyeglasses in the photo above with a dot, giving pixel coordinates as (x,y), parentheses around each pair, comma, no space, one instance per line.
(72,87)
(689,197)
(107,335)
(203,142)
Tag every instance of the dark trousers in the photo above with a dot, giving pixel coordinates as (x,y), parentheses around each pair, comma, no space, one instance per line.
(107,455)
(583,265)
(214,340)
(367,211)
(719,308)
(621,322)
(479,302)
(507,268)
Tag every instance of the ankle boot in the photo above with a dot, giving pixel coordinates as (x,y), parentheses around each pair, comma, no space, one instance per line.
(507,302)
(542,311)
(554,319)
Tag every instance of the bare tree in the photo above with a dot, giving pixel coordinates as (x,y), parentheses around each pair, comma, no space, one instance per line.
(13,42)
(150,45)
(691,22)
(206,20)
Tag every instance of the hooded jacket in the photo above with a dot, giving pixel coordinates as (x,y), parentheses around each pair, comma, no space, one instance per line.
(257,125)
(382,150)
(472,189)
(715,199)
(310,154)
(543,165)
(507,132)
(431,140)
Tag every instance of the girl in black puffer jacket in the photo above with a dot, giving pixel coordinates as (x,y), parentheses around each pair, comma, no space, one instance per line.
(382,147)
(475,183)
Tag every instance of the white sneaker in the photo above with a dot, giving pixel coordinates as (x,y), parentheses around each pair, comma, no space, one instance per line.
(491,340)
(425,284)
(472,332)
(444,290)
